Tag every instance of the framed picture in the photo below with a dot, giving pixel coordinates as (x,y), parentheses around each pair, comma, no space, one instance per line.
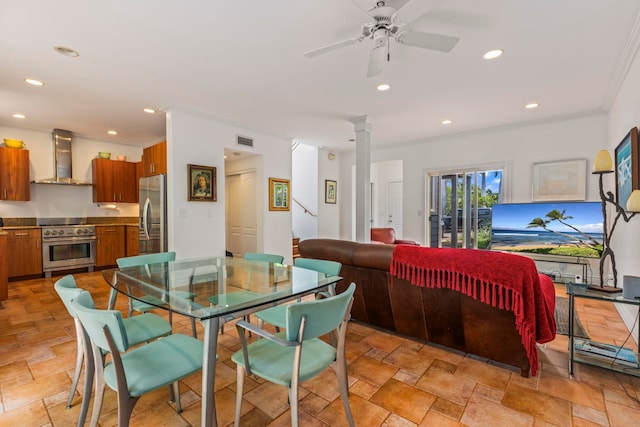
(279,194)
(201,183)
(559,180)
(330,191)
(627,163)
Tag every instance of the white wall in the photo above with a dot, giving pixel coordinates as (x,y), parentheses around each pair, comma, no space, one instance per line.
(329,213)
(305,189)
(625,114)
(198,228)
(50,201)
(522,145)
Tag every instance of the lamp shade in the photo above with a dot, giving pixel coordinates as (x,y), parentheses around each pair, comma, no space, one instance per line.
(602,162)
(633,202)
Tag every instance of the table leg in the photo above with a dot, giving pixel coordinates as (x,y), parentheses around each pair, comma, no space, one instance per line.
(211,327)
(571,345)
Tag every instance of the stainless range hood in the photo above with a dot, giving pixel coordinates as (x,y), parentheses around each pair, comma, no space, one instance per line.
(62,160)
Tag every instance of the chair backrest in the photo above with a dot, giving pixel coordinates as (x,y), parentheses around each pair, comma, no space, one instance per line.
(67,290)
(93,321)
(322,316)
(253,256)
(330,268)
(385,235)
(133,261)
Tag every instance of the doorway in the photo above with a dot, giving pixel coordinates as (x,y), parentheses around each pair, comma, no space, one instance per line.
(459,206)
(241,213)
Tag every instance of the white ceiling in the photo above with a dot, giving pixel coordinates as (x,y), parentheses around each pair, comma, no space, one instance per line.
(242,61)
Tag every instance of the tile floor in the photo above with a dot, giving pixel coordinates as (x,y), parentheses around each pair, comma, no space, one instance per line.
(393,381)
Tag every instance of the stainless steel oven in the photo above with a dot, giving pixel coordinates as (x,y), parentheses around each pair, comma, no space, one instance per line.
(67,243)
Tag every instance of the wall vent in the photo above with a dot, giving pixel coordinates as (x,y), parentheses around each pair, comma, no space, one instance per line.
(243,140)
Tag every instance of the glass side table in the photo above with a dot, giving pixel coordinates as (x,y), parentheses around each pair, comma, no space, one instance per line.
(606,356)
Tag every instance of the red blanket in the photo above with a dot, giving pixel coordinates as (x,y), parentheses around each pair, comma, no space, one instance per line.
(506,281)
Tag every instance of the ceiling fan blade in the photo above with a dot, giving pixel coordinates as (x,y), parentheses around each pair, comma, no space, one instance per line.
(331,47)
(376,60)
(432,41)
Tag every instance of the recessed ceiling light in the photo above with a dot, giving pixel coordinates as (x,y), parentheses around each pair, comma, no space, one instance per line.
(112,132)
(33,81)
(149,110)
(446,122)
(382,87)
(531,106)
(66,51)
(493,54)
(19,116)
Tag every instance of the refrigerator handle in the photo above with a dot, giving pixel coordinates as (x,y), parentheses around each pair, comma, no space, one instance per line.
(146,217)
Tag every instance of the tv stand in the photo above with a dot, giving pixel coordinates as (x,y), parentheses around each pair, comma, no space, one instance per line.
(562,274)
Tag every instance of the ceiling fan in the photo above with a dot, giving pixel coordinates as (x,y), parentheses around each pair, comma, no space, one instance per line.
(386,26)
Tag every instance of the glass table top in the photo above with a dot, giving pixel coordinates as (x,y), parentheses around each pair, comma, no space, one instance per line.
(217,286)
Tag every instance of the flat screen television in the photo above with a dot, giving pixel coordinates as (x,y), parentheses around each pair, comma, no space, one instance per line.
(559,228)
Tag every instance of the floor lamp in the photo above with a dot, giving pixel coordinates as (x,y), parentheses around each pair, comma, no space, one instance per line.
(602,165)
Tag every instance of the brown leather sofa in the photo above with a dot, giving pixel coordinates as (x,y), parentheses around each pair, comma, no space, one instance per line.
(437,315)
(388,235)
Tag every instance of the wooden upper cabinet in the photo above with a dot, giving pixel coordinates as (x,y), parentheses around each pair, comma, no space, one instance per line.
(14,174)
(114,181)
(154,159)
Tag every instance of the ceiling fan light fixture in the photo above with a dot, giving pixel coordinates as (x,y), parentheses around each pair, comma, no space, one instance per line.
(383,87)
(532,105)
(493,54)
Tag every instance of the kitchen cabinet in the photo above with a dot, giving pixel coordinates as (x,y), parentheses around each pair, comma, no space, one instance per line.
(154,159)
(133,242)
(24,252)
(4,288)
(110,244)
(114,181)
(14,174)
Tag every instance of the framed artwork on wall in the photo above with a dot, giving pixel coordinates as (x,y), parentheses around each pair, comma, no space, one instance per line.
(627,157)
(330,191)
(559,180)
(201,183)
(279,194)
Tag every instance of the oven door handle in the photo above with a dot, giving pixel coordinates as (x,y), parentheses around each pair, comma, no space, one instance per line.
(146,213)
(66,240)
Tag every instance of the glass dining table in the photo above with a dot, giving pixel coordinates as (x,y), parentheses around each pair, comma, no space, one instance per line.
(214,291)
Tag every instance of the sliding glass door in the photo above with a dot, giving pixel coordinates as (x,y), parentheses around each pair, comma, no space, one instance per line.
(459,206)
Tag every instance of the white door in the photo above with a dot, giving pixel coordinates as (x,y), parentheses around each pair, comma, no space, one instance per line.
(394,207)
(242,216)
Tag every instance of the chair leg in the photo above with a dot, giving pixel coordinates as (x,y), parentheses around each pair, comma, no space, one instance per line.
(239,391)
(89,373)
(125,408)
(79,360)
(193,328)
(293,403)
(176,393)
(343,385)
(97,401)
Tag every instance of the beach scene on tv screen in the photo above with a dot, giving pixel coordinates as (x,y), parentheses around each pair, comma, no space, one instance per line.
(571,228)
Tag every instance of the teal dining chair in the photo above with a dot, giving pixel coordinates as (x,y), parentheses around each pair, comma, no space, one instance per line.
(133,372)
(277,315)
(298,354)
(148,302)
(139,329)
(239,297)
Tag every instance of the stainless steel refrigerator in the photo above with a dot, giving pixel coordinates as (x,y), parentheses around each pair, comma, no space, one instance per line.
(153,214)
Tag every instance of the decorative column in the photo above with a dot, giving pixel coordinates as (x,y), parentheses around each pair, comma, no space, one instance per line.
(363,126)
